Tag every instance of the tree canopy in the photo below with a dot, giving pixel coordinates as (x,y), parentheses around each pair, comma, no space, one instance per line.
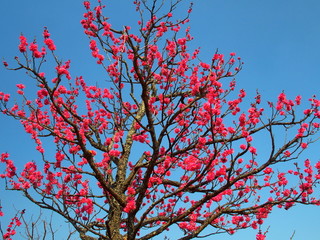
(168,142)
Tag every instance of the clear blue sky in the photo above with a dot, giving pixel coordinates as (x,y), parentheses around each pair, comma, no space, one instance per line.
(278,41)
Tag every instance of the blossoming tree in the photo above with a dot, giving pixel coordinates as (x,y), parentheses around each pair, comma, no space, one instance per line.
(168,143)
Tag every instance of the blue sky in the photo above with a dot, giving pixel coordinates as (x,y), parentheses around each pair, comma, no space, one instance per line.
(278,41)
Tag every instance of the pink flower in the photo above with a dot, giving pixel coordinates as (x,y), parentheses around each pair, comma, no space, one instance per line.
(114,153)
(20,86)
(298,99)
(287,153)
(34,49)
(304,145)
(131,205)
(307,111)
(253,150)
(249,139)
(46,33)
(50,44)
(182,41)
(23,44)
(131,191)
(268,170)
(86,4)
(92,152)
(205,65)
(260,237)
(41,74)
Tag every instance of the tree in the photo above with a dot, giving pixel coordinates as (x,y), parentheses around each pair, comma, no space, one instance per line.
(167,143)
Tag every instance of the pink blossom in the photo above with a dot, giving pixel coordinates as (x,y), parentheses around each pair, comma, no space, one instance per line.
(20,86)
(260,236)
(131,205)
(304,145)
(23,44)
(50,44)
